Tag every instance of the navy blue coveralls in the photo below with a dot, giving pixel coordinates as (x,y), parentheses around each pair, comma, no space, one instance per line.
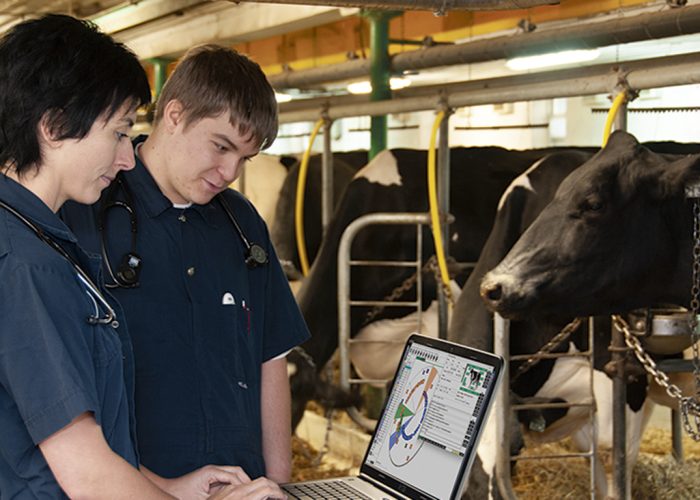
(202,323)
(54,366)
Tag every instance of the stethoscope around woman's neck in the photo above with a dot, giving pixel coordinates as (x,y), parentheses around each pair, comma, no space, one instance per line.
(110,317)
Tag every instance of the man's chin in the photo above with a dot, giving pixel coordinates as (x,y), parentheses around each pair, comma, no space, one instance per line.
(203,198)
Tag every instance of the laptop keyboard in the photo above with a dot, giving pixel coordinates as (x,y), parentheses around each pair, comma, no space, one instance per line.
(326,490)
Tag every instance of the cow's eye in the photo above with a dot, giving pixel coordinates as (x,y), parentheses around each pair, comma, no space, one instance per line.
(592,205)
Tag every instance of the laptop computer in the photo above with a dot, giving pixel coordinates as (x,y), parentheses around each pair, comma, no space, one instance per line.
(427,433)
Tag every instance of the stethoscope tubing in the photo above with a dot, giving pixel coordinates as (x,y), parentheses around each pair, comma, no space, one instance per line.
(110,317)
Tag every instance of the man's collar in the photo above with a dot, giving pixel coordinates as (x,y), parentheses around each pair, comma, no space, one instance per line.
(150,195)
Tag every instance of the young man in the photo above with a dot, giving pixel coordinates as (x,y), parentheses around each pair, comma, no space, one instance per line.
(210,313)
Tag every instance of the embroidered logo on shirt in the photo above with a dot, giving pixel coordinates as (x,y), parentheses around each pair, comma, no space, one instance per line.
(228,299)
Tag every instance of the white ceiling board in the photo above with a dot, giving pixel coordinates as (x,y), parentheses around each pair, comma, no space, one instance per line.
(224,23)
(134,14)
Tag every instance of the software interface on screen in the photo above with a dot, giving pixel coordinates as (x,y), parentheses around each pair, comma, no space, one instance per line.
(430,419)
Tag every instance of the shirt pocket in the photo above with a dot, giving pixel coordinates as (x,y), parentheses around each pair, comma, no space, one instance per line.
(106,345)
(234,341)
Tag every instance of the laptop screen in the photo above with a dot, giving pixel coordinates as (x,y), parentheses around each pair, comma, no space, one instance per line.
(431,419)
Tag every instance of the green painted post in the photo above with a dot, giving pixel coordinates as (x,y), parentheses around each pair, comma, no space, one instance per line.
(160,74)
(380,73)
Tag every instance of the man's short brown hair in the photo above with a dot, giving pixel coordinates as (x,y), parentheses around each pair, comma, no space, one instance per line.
(211,80)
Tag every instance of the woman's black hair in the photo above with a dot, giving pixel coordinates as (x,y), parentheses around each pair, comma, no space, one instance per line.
(67,72)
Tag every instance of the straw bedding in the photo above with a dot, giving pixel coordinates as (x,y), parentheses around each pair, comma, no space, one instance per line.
(656,475)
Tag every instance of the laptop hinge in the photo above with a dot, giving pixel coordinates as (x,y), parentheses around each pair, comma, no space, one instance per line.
(382,487)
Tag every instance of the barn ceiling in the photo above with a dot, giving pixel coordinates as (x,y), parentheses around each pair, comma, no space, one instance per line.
(298,37)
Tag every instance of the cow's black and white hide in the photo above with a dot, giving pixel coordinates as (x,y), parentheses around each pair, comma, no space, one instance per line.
(582,256)
(282,232)
(395,181)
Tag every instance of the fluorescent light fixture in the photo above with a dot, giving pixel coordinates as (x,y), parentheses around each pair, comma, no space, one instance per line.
(282,97)
(399,83)
(553,59)
(365,87)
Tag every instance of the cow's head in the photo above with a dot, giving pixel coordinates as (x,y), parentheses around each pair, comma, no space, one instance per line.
(614,237)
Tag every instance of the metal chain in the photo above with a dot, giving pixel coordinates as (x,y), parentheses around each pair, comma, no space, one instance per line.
(688,406)
(432,265)
(326,440)
(695,295)
(406,285)
(547,348)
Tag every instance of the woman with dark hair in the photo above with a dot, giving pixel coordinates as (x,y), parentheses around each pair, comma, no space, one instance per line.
(68,99)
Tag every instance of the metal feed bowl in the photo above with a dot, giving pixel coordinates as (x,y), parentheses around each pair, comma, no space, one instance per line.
(662,330)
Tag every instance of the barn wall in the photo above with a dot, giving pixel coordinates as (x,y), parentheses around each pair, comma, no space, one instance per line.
(566,122)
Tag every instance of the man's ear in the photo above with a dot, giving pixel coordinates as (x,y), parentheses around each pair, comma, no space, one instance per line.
(173,115)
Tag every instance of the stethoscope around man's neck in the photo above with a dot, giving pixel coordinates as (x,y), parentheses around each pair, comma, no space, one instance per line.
(110,317)
(127,273)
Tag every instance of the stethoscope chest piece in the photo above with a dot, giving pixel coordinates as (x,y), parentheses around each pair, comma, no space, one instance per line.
(256,256)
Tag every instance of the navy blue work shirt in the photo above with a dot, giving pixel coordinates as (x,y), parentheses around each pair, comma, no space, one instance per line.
(54,366)
(202,322)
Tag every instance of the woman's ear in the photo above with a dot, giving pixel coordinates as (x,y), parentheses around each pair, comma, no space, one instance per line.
(45,133)
(173,115)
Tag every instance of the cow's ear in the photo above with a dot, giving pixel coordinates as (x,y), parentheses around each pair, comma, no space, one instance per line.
(675,176)
(621,140)
(288,161)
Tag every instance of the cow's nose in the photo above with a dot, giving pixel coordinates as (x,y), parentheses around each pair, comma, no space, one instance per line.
(491,292)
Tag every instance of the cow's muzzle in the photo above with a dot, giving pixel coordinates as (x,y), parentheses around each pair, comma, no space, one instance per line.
(502,294)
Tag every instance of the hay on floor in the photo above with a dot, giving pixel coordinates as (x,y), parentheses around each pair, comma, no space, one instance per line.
(656,474)
(308,464)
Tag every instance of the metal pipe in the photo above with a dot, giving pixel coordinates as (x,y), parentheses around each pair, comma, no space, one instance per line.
(645,74)
(619,486)
(501,409)
(619,452)
(592,410)
(440,7)
(583,35)
(677,435)
(327,201)
(160,74)
(344,277)
(379,76)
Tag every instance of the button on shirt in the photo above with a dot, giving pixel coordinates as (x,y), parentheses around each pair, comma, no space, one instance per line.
(54,366)
(202,323)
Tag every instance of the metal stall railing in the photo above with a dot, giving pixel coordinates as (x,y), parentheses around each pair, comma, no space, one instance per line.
(345,302)
(504,408)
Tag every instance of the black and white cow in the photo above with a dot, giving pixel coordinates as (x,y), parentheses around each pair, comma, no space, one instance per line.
(282,232)
(582,256)
(617,236)
(262,182)
(395,181)
(566,379)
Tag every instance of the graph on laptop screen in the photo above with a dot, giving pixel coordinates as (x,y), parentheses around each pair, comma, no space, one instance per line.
(430,419)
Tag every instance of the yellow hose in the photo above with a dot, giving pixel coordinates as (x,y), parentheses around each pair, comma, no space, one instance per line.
(299,205)
(617,102)
(434,210)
